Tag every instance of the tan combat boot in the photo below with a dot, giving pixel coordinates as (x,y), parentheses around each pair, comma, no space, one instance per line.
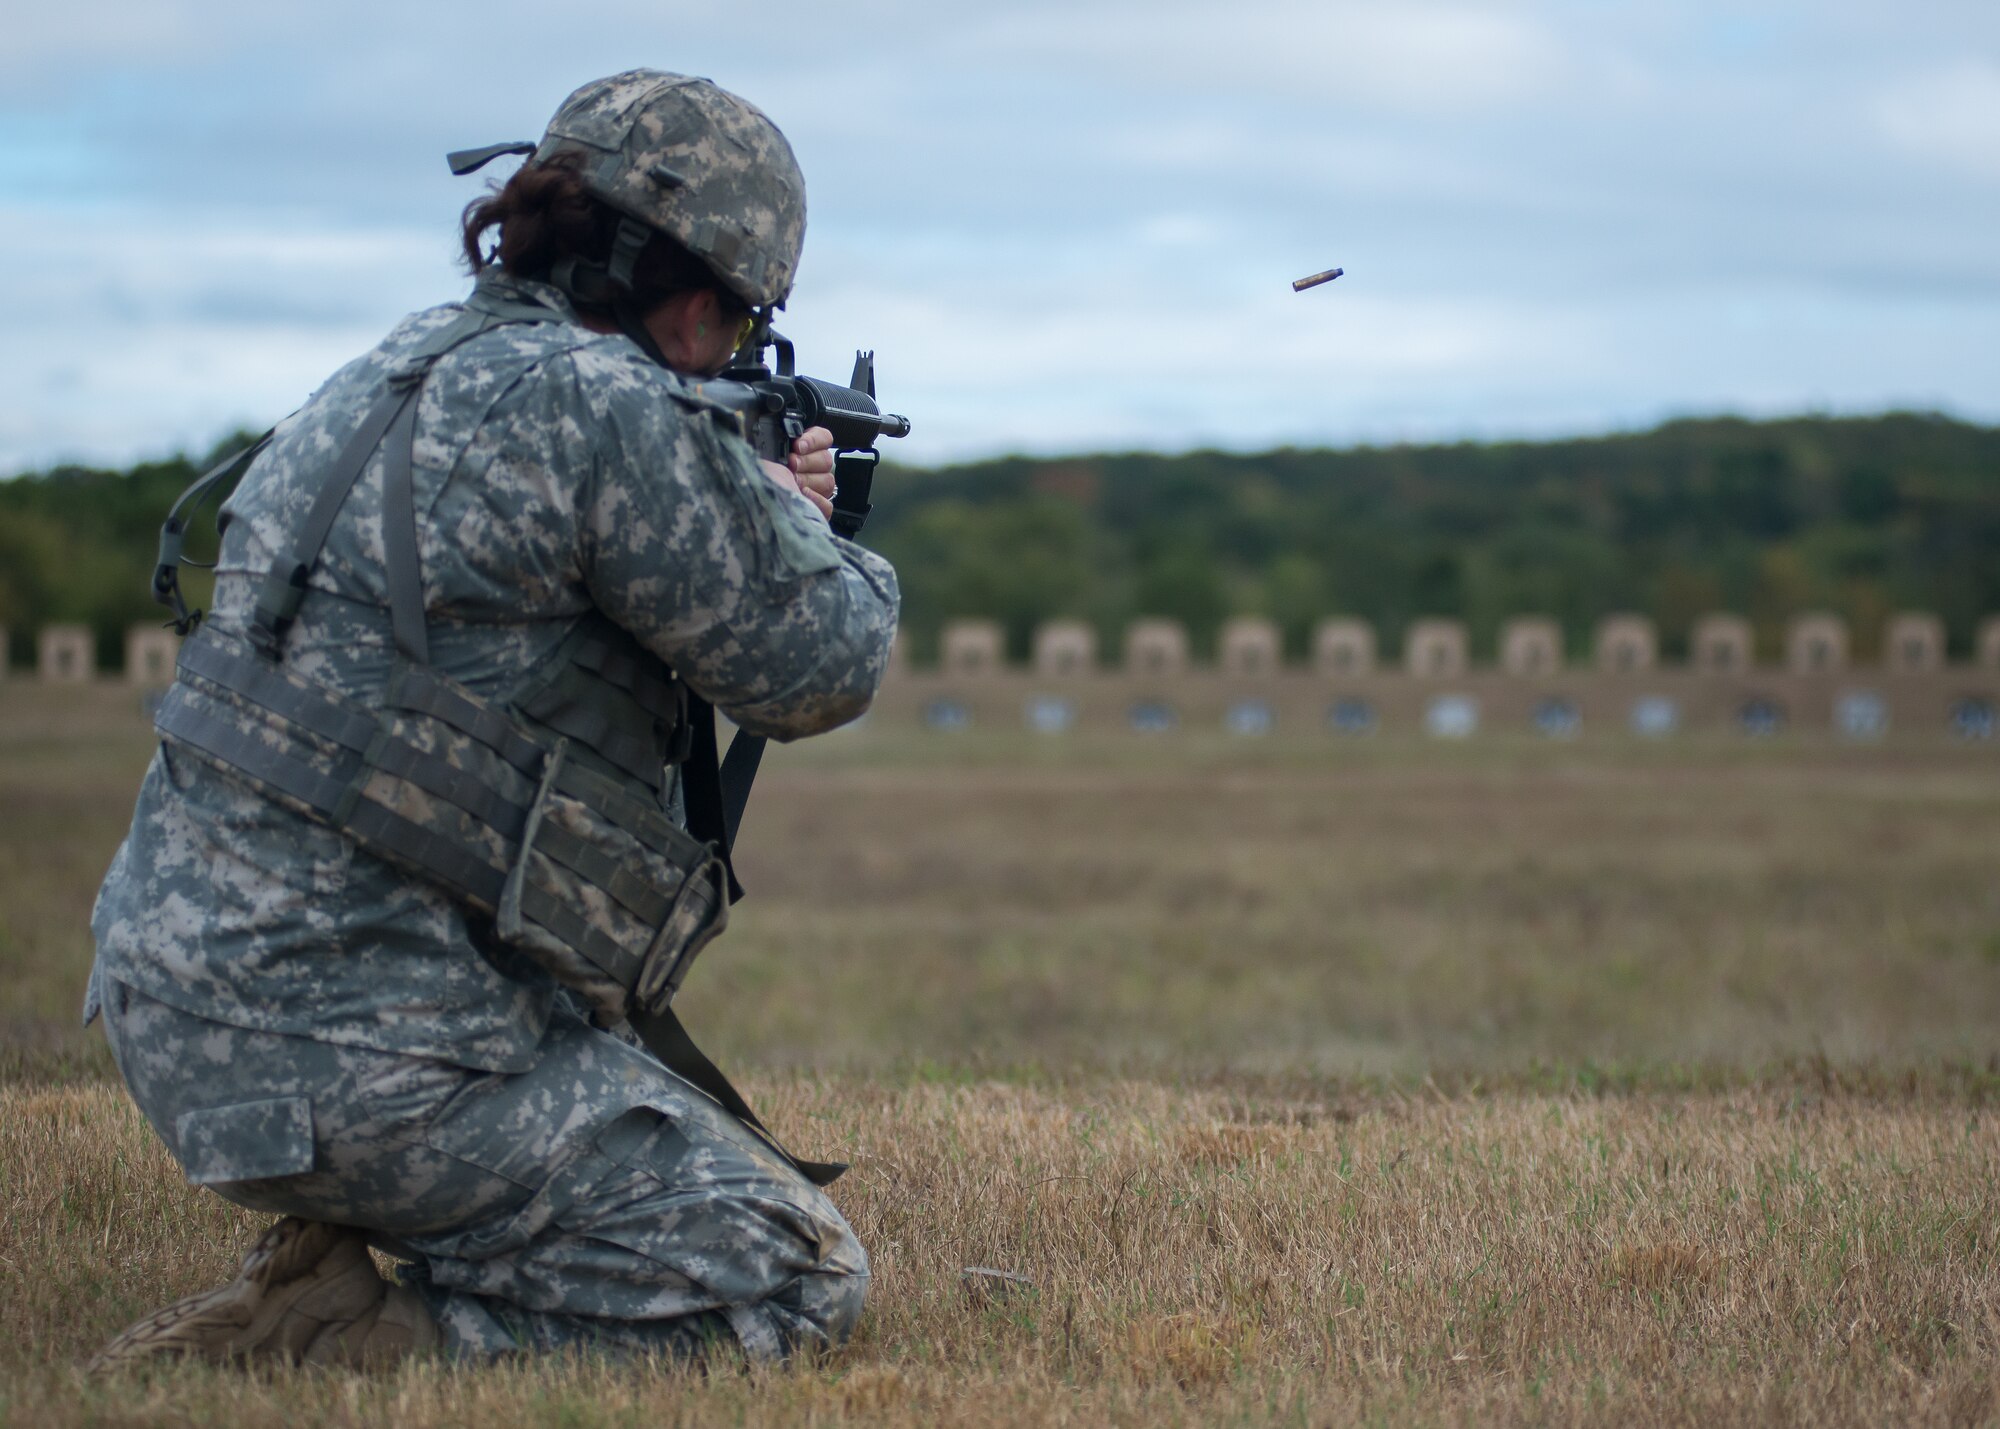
(307,1293)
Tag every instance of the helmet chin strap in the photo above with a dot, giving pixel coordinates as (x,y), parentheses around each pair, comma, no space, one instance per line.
(608,285)
(626,315)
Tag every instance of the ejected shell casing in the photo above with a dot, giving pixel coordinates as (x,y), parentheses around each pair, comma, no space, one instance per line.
(1316,279)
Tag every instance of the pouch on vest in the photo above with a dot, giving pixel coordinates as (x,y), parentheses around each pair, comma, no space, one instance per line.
(645,896)
(589,879)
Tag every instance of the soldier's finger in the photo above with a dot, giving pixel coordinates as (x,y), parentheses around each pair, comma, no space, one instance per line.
(813,464)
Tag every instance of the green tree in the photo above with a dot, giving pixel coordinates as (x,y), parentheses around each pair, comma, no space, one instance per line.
(1181,580)
(1864,515)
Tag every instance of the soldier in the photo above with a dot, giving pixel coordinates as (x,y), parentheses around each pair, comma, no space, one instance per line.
(412,848)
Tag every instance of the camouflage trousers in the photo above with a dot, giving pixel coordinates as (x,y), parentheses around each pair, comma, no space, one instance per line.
(595,1200)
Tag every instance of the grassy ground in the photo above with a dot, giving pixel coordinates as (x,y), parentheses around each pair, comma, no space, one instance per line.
(1306,1083)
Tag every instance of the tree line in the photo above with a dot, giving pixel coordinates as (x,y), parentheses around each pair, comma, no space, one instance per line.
(1861,516)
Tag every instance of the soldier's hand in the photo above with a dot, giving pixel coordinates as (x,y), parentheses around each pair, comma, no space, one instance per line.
(812,463)
(809,470)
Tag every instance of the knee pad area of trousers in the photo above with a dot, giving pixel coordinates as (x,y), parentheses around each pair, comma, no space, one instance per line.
(820,1310)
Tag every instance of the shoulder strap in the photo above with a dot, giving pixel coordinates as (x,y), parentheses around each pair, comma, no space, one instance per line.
(402,564)
(392,418)
(284,587)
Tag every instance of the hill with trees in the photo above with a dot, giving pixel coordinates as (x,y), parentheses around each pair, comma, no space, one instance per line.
(1863,516)
(1860,516)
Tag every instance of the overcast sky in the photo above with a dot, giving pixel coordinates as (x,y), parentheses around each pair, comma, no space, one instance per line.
(1063,227)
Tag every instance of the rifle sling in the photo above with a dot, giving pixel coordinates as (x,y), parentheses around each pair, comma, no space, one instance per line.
(739,771)
(666,1039)
(701,789)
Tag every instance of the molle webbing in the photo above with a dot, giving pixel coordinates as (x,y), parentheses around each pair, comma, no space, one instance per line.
(609,696)
(418,692)
(470,777)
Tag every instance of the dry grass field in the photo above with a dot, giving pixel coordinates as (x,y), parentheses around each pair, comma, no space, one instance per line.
(1306,1083)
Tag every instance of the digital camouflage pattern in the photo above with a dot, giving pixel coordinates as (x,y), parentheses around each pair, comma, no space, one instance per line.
(595,1201)
(698,163)
(558,474)
(503,822)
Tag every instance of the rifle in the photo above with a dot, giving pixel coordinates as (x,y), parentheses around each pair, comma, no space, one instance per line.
(777,407)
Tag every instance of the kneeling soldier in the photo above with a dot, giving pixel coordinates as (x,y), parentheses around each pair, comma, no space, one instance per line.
(411,862)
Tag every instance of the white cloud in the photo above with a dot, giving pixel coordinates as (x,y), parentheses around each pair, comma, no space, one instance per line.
(1949,115)
(124,266)
(1180,229)
(1418,55)
(112,394)
(133,332)
(44,42)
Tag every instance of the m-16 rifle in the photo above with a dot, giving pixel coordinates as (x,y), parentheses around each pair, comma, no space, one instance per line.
(778,407)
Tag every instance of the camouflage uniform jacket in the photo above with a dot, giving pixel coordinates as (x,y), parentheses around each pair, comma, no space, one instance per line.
(557,471)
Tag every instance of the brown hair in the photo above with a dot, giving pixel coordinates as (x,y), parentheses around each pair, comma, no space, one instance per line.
(545,215)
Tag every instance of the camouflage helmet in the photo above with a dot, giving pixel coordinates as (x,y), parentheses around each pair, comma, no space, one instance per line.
(696,162)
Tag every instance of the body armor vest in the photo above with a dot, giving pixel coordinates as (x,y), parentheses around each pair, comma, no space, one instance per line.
(544,812)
